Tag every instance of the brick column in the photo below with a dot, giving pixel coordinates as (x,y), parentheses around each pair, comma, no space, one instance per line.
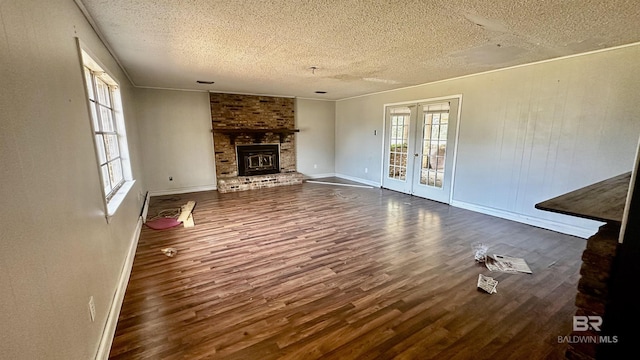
(593,287)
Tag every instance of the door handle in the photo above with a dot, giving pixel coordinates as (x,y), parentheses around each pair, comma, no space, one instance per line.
(416,155)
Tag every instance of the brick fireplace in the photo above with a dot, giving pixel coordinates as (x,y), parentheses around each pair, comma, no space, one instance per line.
(263,129)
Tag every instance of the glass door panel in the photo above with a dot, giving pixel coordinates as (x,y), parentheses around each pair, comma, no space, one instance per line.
(398,143)
(399,139)
(435,121)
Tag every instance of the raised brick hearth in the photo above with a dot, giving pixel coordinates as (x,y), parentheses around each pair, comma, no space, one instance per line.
(242,183)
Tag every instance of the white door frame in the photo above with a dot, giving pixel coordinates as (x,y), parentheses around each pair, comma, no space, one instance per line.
(455,145)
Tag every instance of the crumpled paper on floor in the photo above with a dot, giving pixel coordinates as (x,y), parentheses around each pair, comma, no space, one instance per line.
(487,284)
(170,252)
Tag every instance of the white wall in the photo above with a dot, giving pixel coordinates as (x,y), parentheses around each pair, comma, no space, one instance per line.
(526,134)
(315,146)
(176,138)
(57,248)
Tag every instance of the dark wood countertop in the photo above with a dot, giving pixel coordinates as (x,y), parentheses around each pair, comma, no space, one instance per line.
(602,201)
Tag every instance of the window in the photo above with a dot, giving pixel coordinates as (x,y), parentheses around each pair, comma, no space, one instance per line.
(107,123)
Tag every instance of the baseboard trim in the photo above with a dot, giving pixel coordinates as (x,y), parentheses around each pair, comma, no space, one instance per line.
(318,176)
(338,184)
(579,231)
(145,207)
(362,181)
(183,190)
(114,312)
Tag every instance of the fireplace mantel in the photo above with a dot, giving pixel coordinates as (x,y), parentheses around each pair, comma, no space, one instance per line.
(254,133)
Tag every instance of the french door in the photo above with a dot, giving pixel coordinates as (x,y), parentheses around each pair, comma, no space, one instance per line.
(419,147)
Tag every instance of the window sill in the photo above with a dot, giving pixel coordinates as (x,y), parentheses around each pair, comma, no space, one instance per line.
(118,199)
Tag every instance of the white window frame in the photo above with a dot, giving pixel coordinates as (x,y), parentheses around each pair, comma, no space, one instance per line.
(107,122)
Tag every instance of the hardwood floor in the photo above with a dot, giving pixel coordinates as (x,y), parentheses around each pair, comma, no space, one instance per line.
(320,271)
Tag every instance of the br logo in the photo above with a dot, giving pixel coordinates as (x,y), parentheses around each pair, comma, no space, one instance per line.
(585,323)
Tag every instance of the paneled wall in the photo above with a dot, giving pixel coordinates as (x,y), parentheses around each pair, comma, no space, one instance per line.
(177,148)
(315,142)
(526,134)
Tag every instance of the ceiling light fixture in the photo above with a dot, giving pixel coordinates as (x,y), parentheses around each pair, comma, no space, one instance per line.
(205,82)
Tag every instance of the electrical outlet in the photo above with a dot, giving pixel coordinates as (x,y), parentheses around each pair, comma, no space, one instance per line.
(92,309)
(315,166)
(366,170)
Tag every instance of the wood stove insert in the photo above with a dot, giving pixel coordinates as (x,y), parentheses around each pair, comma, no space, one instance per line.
(258,159)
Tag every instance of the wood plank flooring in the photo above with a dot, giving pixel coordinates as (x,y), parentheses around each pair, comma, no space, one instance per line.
(317,271)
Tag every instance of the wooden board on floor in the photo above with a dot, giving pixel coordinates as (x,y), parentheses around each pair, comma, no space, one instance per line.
(186,210)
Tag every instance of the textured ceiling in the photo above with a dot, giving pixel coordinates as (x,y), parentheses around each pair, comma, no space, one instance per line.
(358,46)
